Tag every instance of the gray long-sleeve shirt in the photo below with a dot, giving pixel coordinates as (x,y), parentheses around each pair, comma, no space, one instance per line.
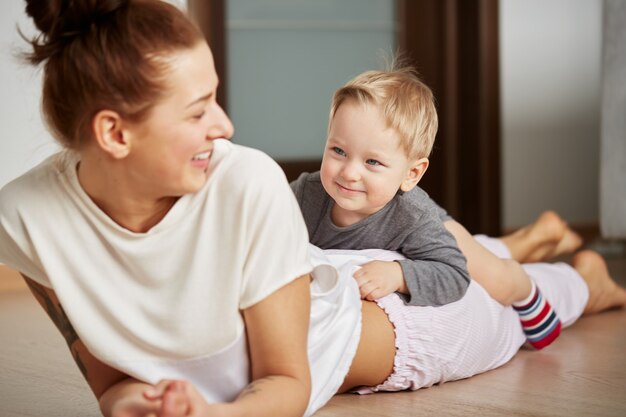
(435,270)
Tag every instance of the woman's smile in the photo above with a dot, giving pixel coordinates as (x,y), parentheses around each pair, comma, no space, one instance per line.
(201,160)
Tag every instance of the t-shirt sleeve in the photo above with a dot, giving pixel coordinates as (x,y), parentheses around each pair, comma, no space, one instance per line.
(16,250)
(276,240)
(435,270)
(297,186)
(442,213)
(432,205)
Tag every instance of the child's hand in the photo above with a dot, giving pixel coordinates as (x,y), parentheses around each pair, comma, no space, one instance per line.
(172,397)
(379,278)
(177,399)
(135,406)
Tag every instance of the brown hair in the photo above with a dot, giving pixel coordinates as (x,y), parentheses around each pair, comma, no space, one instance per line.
(406,103)
(103,54)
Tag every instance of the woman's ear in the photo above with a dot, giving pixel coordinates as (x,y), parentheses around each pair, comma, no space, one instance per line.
(415,174)
(109,134)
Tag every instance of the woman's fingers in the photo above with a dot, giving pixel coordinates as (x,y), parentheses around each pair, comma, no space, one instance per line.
(175,400)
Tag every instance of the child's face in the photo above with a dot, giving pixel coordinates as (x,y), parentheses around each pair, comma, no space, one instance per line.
(363,165)
(171,149)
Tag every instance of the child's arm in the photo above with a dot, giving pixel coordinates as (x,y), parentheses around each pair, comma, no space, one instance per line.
(433,274)
(435,271)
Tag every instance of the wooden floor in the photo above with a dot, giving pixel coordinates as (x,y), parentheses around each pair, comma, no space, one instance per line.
(583,374)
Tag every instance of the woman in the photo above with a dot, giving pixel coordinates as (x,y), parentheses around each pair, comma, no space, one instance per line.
(175,263)
(146,241)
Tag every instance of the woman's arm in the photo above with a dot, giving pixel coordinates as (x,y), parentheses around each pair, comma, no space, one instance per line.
(277,330)
(118,394)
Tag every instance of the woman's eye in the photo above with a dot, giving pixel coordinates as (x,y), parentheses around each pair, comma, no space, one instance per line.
(338,151)
(372,162)
(198,116)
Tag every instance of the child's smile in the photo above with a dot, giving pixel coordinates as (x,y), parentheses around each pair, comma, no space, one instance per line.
(363,166)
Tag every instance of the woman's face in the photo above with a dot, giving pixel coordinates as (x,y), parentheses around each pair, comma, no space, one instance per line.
(171,149)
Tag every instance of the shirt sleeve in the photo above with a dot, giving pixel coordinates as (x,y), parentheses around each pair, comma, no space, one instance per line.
(435,270)
(297,186)
(16,250)
(276,240)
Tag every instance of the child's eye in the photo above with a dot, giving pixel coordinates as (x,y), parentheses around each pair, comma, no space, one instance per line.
(198,116)
(372,162)
(338,151)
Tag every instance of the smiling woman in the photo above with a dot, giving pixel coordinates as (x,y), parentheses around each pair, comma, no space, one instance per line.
(129,92)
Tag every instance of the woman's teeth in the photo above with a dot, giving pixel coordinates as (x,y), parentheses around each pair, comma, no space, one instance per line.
(201,156)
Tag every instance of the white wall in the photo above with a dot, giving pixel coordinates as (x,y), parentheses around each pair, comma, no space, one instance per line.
(24,140)
(550,52)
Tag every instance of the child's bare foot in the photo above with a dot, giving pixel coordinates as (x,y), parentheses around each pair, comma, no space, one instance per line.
(604,293)
(568,244)
(545,238)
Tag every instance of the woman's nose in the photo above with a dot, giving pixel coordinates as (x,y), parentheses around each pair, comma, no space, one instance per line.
(220,125)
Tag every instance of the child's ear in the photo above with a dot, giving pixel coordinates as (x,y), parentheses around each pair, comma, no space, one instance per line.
(415,174)
(109,134)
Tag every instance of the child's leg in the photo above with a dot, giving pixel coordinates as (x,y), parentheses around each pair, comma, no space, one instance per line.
(564,285)
(504,279)
(508,283)
(544,239)
(604,293)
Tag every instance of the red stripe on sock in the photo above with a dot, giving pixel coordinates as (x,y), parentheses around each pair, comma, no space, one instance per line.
(550,337)
(539,318)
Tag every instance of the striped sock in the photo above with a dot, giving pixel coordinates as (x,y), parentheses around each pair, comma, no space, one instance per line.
(539,320)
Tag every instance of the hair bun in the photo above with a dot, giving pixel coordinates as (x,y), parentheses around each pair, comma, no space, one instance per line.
(61,21)
(63,18)
(43,13)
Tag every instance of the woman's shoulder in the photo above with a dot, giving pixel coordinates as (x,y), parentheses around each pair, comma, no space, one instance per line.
(251,157)
(33,188)
(249,167)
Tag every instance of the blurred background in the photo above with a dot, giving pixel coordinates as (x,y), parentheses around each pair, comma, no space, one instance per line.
(518,86)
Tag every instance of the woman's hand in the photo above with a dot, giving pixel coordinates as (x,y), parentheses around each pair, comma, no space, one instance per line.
(168,398)
(177,398)
(135,406)
(379,278)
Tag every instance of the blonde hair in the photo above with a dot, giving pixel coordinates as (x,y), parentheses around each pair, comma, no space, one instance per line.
(406,103)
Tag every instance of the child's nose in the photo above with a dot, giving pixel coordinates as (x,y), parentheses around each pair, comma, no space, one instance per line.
(350,172)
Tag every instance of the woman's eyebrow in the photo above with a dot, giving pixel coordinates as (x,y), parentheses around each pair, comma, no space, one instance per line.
(199,99)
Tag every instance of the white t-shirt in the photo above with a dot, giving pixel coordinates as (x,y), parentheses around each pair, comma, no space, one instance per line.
(167,303)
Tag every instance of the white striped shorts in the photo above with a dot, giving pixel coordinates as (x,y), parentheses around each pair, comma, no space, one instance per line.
(474,334)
